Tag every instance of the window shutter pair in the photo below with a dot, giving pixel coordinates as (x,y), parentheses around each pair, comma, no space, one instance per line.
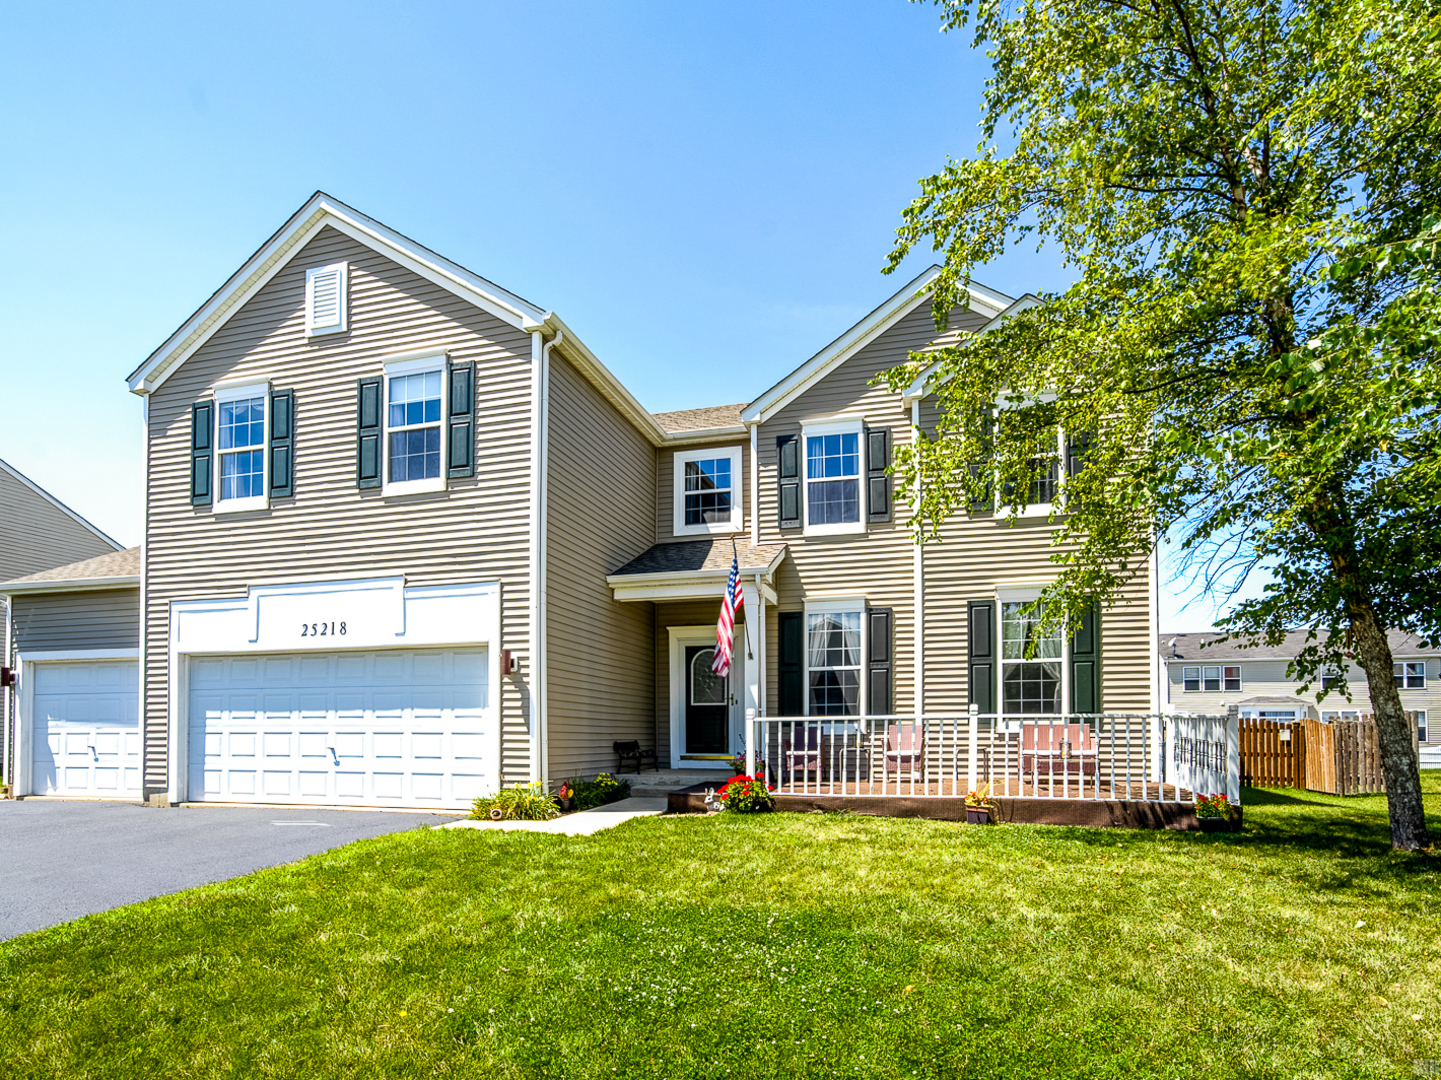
(791,676)
(1086,664)
(878,484)
(788,474)
(460,378)
(981,655)
(280,438)
(879,663)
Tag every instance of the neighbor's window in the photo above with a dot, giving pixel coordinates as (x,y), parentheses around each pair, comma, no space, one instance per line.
(1421,732)
(1030,662)
(834,494)
(1410,676)
(413,426)
(1191,676)
(833,663)
(1232,676)
(1332,716)
(1330,679)
(708,491)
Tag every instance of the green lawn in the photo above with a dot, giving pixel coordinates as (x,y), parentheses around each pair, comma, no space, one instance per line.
(772,946)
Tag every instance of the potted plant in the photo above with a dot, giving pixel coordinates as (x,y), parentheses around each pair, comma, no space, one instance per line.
(980,807)
(745,795)
(565,795)
(1214,813)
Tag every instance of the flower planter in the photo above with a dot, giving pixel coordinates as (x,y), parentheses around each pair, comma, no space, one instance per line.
(566,805)
(1219,824)
(978,815)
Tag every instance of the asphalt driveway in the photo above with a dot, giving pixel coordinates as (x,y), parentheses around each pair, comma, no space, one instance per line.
(62,860)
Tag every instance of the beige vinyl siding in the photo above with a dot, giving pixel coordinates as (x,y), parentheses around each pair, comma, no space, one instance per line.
(85,619)
(665,489)
(36,535)
(476,531)
(1268,678)
(599,516)
(688,613)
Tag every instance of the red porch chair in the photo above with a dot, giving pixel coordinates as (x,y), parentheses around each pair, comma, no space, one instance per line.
(905,751)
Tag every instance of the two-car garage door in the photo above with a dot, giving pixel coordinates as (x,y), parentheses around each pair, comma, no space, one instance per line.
(383,728)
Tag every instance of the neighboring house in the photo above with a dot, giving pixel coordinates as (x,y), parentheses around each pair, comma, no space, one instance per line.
(407,539)
(37,532)
(1207,675)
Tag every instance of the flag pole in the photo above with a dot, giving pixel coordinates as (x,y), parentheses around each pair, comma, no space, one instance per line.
(735,557)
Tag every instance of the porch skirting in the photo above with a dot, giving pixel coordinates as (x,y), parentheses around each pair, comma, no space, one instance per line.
(1090,813)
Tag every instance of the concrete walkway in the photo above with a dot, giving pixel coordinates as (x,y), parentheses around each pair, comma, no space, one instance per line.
(581,824)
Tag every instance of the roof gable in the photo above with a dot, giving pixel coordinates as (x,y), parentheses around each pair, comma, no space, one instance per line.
(40,492)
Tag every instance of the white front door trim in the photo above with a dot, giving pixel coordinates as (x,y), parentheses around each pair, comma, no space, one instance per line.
(25,662)
(680,637)
(327,616)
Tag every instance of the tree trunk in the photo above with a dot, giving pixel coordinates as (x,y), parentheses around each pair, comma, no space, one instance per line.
(1393,731)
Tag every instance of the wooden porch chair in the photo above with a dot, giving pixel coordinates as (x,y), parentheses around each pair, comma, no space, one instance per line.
(905,751)
(802,752)
(1044,751)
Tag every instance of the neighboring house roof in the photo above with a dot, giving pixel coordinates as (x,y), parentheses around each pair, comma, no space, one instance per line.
(20,477)
(703,555)
(1197,647)
(116,570)
(1262,702)
(892,310)
(692,420)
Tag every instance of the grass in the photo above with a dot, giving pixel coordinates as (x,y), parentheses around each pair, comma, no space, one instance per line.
(776,945)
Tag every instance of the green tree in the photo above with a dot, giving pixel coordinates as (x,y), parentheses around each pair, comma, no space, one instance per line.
(1245,194)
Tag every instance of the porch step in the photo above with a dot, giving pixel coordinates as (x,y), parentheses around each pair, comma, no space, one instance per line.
(653,784)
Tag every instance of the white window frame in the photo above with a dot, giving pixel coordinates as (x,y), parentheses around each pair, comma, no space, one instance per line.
(1423,729)
(1186,678)
(833,606)
(1033,510)
(1332,716)
(1331,675)
(1225,679)
(1024,595)
(311,330)
(412,364)
(240,391)
(834,427)
(1406,676)
(737,518)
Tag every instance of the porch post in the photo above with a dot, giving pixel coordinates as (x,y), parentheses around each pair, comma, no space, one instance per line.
(755,657)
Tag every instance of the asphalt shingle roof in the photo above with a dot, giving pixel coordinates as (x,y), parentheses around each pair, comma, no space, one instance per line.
(115,564)
(700,419)
(1196,647)
(701,555)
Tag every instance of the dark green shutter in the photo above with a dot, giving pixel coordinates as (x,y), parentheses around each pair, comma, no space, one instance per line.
(987,498)
(282,454)
(878,682)
(878,484)
(792,668)
(461,448)
(367,425)
(788,474)
(202,429)
(1078,449)
(981,655)
(1086,664)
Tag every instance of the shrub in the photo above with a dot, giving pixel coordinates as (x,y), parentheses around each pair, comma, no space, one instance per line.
(745,794)
(528,802)
(1213,806)
(605,788)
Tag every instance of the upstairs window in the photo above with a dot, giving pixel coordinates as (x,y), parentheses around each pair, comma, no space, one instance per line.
(240,447)
(1330,680)
(834,500)
(325,299)
(414,419)
(1231,676)
(1410,675)
(707,492)
(1210,677)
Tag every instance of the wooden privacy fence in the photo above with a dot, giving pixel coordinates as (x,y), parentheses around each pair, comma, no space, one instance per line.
(1339,758)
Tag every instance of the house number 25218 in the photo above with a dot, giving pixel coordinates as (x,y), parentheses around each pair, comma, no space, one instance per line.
(322,629)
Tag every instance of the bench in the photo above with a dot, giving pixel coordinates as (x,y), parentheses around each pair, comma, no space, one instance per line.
(631,751)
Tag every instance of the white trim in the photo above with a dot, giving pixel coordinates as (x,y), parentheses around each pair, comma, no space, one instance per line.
(918,586)
(755,486)
(891,311)
(811,430)
(683,458)
(12,588)
(534,611)
(236,390)
(21,478)
(422,363)
(342,323)
(22,751)
(921,385)
(836,606)
(1021,593)
(680,638)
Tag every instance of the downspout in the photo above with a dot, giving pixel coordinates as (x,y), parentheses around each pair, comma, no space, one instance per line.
(7,740)
(755,489)
(918,574)
(540,457)
(140,642)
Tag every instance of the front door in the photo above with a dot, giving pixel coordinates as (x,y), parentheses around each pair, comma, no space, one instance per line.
(707,703)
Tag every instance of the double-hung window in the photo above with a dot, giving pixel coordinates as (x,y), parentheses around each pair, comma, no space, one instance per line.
(414,421)
(1330,680)
(1421,732)
(834,492)
(1212,677)
(707,492)
(1032,662)
(1410,675)
(833,658)
(240,475)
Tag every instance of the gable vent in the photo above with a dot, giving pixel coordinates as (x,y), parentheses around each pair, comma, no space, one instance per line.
(325,299)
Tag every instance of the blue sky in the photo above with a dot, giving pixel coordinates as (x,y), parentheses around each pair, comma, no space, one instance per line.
(707,193)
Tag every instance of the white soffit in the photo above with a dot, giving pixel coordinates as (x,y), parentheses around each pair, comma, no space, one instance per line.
(319,211)
(898,306)
(921,386)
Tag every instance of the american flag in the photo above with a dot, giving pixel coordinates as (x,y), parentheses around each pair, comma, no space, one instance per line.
(725,626)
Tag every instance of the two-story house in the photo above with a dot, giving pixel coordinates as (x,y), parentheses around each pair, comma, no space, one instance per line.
(407,538)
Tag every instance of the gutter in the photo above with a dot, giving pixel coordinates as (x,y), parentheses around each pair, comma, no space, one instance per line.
(14,588)
(540,462)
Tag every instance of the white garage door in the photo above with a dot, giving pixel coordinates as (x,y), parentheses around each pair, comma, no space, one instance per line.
(351,728)
(86,730)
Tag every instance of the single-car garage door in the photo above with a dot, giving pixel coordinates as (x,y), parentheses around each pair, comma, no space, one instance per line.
(86,730)
(351,728)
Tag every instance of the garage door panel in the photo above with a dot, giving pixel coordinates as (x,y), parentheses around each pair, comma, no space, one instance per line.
(84,729)
(405,728)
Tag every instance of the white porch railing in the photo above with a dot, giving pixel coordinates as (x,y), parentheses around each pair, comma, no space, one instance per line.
(1140,756)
